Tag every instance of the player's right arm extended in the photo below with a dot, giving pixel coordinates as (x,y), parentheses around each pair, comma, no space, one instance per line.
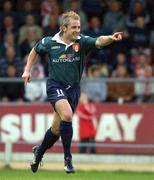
(30,61)
(106,40)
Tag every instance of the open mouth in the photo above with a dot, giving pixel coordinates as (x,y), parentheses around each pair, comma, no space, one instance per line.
(76,35)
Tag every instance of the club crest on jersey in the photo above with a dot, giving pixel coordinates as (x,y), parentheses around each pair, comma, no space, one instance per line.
(76,47)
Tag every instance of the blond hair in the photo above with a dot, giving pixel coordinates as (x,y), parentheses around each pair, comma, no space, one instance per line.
(65,18)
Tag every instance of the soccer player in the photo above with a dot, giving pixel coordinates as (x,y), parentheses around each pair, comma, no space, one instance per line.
(66,53)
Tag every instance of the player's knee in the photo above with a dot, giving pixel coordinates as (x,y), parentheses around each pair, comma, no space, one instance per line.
(67,116)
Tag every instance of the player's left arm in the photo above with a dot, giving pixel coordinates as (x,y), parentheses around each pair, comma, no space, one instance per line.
(106,40)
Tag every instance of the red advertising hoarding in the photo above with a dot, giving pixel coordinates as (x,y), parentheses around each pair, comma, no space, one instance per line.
(124,129)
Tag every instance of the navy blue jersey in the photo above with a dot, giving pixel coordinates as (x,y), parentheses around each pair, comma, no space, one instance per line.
(65,62)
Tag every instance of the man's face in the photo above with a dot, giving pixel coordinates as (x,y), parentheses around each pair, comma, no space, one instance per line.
(72,30)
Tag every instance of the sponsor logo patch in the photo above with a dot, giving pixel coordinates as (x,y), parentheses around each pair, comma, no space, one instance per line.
(55,47)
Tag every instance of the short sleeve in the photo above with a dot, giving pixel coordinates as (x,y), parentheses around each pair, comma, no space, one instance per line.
(43,46)
(88,43)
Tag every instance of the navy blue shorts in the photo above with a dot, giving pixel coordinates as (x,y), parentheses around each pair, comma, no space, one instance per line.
(57,91)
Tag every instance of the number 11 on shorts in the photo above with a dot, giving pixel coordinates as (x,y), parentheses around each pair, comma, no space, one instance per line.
(60,92)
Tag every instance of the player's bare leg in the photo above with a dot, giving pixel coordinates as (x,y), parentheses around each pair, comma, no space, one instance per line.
(64,110)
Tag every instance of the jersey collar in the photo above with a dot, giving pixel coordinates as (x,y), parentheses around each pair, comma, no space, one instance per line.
(56,38)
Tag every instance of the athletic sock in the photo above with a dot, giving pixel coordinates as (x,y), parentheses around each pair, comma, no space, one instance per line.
(66,132)
(48,142)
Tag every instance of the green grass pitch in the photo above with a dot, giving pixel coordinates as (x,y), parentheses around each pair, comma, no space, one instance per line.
(14,174)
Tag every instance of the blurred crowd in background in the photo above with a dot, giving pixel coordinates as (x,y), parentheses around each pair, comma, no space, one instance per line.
(24,22)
